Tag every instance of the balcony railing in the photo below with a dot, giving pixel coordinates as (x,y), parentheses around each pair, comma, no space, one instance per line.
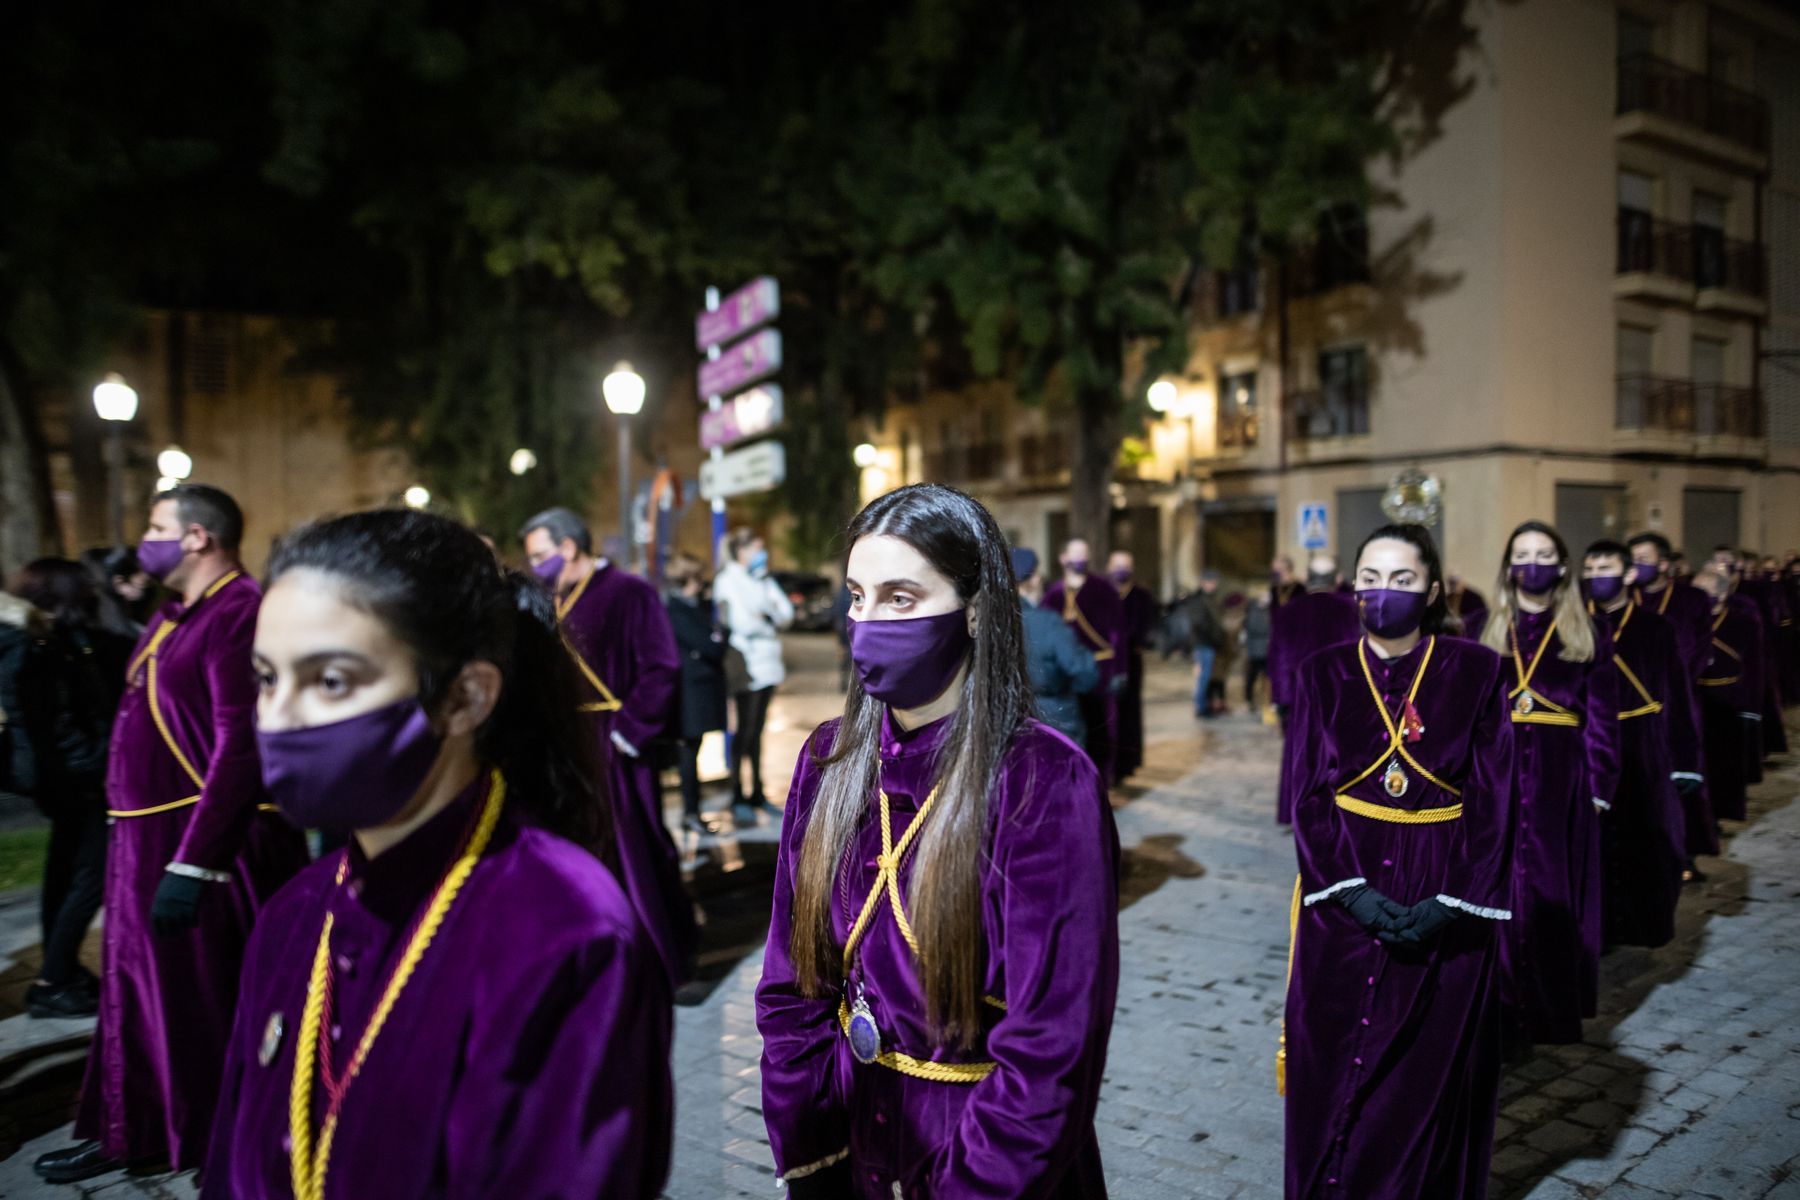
(1235,291)
(1727,263)
(1696,254)
(1654,404)
(1327,414)
(964,464)
(1649,84)
(1237,428)
(1043,453)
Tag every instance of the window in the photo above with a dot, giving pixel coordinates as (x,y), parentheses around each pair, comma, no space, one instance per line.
(1343,393)
(1636,36)
(1709,240)
(1708,364)
(1343,250)
(1237,410)
(1637,228)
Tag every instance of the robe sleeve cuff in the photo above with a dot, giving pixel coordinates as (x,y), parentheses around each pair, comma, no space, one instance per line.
(1333,890)
(618,739)
(1751,715)
(1602,805)
(812,1168)
(189,871)
(1492,914)
(1693,775)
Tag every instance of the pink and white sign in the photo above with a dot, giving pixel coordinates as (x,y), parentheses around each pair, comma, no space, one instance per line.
(756,303)
(741,365)
(746,415)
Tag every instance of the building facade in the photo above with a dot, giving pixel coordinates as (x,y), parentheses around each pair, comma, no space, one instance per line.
(1582,304)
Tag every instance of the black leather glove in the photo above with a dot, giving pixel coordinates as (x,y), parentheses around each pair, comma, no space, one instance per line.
(176,908)
(1369,908)
(833,1183)
(1421,924)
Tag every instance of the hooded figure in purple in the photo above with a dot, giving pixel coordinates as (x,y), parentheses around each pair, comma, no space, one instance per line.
(1731,690)
(1400,751)
(1565,709)
(625,651)
(1090,604)
(1320,618)
(1643,836)
(912,1049)
(192,855)
(460,1003)
(1138,609)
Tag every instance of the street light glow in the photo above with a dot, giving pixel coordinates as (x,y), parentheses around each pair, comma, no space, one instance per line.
(522,461)
(165,483)
(175,463)
(114,399)
(1162,396)
(417,497)
(624,390)
(865,455)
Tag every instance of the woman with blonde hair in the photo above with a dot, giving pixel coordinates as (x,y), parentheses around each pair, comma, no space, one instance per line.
(1564,708)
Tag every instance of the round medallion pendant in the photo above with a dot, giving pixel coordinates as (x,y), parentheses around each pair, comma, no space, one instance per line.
(1524,704)
(865,1038)
(1394,779)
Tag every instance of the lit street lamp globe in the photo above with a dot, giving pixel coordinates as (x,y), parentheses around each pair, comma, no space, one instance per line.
(522,461)
(165,483)
(114,399)
(417,497)
(865,455)
(624,390)
(175,463)
(1162,396)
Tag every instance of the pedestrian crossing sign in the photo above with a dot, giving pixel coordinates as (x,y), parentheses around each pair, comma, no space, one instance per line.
(1312,526)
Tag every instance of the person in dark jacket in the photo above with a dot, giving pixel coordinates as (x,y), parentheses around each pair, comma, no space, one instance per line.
(1208,624)
(701,642)
(1061,668)
(1258,618)
(126,593)
(69,691)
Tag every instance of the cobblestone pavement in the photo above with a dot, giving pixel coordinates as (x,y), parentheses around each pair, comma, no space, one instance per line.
(1688,1084)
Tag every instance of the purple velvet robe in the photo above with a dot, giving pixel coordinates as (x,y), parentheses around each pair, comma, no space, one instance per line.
(1731,691)
(166,1000)
(528,1055)
(1140,616)
(1550,952)
(619,628)
(1643,836)
(1299,629)
(1470,608)
(1771,611)
(1097,618)
(1049,902)
(1689,614)
(1393,1055)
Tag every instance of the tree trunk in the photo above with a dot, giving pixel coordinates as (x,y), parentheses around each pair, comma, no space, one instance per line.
(27,515)
(1095,450)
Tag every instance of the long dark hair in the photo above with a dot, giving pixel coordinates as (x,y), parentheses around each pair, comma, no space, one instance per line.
(62,588)
(436,586)
(959,538)
(1437,613)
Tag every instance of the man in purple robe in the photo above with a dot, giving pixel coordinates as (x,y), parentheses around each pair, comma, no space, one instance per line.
(1321,618)
(620,634)
(1771,610)
(1140,613)
(1643,836)
(1730,691)
(192,857)
(1656,589)
(1095,614)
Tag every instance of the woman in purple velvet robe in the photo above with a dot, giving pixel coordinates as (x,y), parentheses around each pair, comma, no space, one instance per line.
(1401,756)
(943,955)
(1643,836)
(1565,714)
(462,1002)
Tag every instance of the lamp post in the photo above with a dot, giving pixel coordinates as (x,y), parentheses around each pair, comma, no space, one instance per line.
(522,461)
(624,392)
(117,404)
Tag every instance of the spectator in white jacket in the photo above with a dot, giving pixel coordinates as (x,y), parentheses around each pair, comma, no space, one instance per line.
(754,610)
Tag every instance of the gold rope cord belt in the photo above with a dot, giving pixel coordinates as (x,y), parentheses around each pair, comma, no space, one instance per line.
(1398,816)
(1738,658)
(147,660)
(887,879)
(607,702)
(1072,612)
(1396,735)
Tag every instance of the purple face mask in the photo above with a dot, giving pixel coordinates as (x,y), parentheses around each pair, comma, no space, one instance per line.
(352,774)
(159,556)
(1536,578)
(1120,577)
(907,663)
(1075,566)
(1604,588)
(1391,613)
(549,569)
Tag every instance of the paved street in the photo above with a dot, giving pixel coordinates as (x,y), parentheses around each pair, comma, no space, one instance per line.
(1688,1086)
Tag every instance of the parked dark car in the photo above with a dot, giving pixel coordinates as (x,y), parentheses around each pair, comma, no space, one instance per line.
(812,596)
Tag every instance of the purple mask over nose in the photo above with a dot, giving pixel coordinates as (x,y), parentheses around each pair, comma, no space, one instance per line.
(1120,577)
(907,663)
(1604,588)
(549,569)
(1391,613)
(352,774)
(1536,578)
(159,556)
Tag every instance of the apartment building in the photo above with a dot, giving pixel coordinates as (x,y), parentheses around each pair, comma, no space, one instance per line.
(1583,306)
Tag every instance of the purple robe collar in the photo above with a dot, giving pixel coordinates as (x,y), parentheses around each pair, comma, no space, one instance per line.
(396,883)
(909,757)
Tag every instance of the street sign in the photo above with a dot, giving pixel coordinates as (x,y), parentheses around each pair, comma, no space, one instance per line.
(746,415)
(756,303)
(741,365)
(753,469)
(1312,527)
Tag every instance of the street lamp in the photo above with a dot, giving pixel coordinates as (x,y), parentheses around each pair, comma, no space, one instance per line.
(117,404)
(624,392)
(865,455)
(522,461)
(174,463)
(1162,396)
(416,497)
